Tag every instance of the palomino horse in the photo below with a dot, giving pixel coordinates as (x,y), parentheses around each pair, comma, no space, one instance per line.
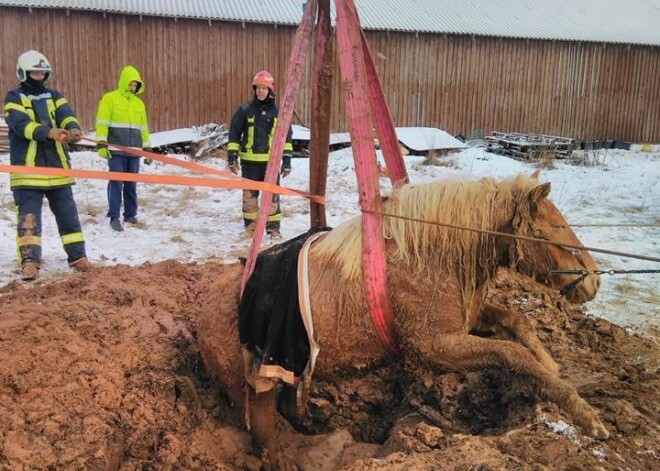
(438,278)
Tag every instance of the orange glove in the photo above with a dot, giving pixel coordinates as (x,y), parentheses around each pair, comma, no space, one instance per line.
(58,134)
(74,135)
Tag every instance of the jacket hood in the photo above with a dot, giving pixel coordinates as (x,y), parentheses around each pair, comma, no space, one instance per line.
(128,74)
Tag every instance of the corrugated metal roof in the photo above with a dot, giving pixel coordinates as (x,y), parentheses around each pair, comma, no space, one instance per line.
(612,21)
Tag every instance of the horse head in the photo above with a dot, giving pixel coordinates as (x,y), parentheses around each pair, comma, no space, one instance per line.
(537,217)
(518,206)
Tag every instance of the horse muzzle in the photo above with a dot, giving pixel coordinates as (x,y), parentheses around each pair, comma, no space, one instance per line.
(580,288)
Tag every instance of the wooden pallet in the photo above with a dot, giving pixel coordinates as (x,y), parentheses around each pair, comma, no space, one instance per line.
(529,146)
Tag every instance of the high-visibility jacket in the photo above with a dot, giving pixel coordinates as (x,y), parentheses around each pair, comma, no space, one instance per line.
(122,117)
(31,111)
(252,129)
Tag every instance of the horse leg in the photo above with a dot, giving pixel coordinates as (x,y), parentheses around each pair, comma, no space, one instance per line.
(262,422)
(519,327)
(467,352)
(287,404)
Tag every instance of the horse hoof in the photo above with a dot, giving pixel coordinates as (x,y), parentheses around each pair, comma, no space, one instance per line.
(599,432)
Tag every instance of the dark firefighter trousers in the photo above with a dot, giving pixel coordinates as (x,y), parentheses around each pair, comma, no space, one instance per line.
(257,171)
(126,190)
(29,203)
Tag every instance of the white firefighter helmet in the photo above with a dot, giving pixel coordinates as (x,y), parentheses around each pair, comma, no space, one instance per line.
(31,61)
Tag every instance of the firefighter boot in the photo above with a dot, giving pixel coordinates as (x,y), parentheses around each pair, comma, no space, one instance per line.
(249,230)
(29,271)
(274,234)
(81,265)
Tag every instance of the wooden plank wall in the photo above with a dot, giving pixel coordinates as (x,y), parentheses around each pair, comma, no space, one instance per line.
(198,72)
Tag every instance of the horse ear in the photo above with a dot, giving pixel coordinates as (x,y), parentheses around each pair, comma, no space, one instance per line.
(540,192)
(535,175)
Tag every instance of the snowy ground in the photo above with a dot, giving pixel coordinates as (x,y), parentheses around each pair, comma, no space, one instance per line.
(198,224)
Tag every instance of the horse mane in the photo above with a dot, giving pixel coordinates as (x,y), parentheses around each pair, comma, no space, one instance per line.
(431,248)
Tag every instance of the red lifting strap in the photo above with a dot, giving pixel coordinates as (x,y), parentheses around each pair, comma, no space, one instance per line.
(363,103)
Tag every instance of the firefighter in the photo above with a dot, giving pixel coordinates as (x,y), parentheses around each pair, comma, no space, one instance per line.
(250,136)
(41,123)
(122,119)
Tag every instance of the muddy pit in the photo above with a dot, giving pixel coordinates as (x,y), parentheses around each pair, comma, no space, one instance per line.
(101,371)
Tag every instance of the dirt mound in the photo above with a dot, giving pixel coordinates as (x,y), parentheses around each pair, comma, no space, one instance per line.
(101,371)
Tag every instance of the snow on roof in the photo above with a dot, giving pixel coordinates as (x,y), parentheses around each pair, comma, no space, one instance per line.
(418,139)
(422,139)
(609,21)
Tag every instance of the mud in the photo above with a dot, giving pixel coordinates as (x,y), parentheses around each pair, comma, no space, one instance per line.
(101,371)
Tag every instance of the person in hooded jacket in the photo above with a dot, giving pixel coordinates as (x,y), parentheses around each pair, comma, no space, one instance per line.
(250,135)
(122,119)
(41,123)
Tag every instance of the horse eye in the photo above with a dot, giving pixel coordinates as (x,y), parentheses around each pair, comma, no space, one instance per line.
(559,226)
(538,233)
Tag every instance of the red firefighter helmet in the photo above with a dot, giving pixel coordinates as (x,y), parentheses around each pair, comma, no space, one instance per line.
(264,79)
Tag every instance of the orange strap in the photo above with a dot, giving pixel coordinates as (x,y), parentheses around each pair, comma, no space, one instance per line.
(240,183)
(167,160)
(233,182)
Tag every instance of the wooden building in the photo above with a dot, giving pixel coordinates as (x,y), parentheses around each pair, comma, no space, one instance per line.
(199,69)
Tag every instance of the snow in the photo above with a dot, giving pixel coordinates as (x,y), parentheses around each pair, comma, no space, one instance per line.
(422,139)
(158,139)
(300,133)
(200,224)
(418,139)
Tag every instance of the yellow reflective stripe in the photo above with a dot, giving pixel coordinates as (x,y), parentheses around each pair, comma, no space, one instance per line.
(251,215)
(59,147)
(250,157)
(70,119)
(28,240)
(72,238)
(60,102)
(287,145)
(41,181)
(15,107)
(250,134)
(122,125)
(31,155)
(275,217)
(50,104)
(29,130)
(272,133)
(233,146)
(27,103)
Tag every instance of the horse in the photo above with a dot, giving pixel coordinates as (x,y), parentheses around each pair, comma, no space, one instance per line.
(438,278)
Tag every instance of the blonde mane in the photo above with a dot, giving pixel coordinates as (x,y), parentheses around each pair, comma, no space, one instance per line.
(420,247)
